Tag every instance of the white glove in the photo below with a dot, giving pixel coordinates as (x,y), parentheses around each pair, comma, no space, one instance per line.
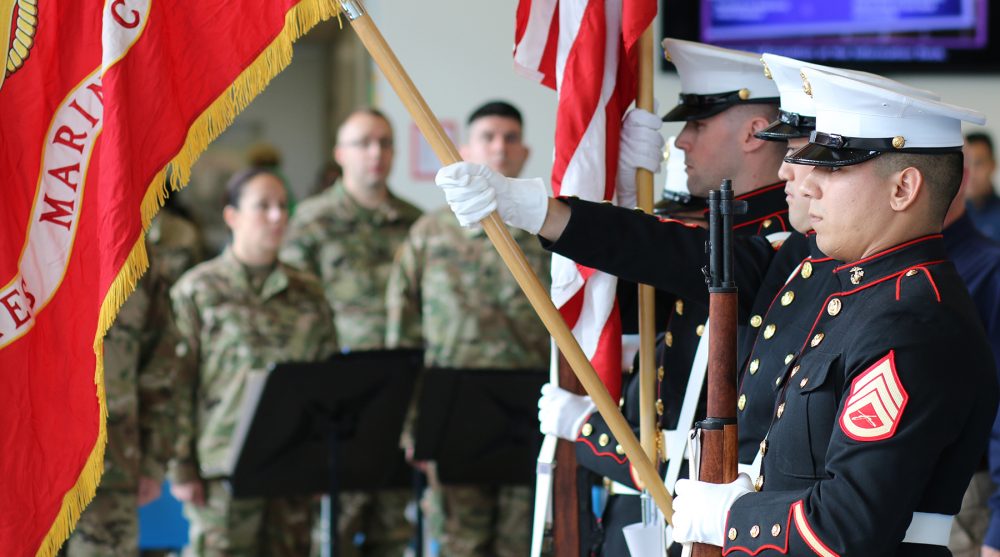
(641,147)
(701,509)
(562,413)
(473,191)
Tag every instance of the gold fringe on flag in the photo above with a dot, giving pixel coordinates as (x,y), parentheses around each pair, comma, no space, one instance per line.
(208,126)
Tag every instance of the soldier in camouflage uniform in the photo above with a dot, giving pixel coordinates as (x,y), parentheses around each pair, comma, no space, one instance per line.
(234,315)
(138,392)
(347,236)
(136,453)
(175,242)
(451,294)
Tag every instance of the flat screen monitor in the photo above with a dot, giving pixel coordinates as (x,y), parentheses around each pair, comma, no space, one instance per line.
(873,35)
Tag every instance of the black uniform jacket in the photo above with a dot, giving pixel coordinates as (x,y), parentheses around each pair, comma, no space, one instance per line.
(620,242)
(883,411)
(778,326)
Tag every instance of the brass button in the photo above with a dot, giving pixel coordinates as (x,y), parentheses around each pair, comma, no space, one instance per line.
(796,369)
(699,330)
(603,440)
(659,373)
(732,534)
(778,380)
(787,298)
(776,530)
(912,272)
(763,447)
(807,270)
(898,142)
(659,407)
(769,331)
(587,430)
(818,338)
(768,223)
(679,307)
(619,449)
(754,531)
(744,94)
(754,366)
(804,382)
(789,358)
(668,339)
(758,484)
(781,409)
(742,402)
(833,308)
(755,321)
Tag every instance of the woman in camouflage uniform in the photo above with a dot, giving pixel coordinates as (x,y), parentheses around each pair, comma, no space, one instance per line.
(236,314)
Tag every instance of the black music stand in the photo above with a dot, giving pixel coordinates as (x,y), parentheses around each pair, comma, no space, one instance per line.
(480,425)
(324,427)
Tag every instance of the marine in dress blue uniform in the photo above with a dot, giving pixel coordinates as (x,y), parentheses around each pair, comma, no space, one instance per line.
(882,413)
(713,80)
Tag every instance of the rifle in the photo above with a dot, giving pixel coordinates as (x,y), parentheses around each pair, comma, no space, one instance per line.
(719,442)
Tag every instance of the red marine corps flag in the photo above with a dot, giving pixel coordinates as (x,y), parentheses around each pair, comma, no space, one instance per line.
(99,101)
(586,51)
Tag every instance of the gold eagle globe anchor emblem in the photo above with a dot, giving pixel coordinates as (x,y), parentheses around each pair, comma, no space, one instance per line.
(18,22)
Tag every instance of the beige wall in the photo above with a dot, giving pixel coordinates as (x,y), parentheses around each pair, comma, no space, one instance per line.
(459,54)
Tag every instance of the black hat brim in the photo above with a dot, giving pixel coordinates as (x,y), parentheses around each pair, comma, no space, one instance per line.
(820,155)
(687,113)
(782,131)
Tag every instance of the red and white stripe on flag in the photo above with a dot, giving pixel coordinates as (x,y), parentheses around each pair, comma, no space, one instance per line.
(97,99)
(585,50)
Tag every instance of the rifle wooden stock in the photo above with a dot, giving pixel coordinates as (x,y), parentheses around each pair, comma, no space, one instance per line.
(511,254)
(719,442)
(566,540)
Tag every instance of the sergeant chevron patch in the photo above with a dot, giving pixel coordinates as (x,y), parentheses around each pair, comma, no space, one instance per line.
(876,402)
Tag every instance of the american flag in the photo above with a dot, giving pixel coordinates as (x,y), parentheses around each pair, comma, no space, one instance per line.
(586,51)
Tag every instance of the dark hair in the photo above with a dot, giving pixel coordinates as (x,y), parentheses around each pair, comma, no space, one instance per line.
(981,137)
(496,108)
(238,182)
(942,174)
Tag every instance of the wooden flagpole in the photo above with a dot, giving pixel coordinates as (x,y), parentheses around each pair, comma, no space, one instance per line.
(647,324)
(511,253)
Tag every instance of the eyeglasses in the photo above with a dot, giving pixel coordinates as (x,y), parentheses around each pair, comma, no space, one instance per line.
(367,142)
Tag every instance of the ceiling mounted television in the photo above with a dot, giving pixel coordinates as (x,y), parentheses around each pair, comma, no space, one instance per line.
(873,35)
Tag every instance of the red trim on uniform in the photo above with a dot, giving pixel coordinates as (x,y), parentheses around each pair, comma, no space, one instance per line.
(806,531)
(760,191)
(845,293)
(930,278)
(782,549)
(891,358)
(680,222)
(888,251)
(779,215)
(754,193)
(619,459)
